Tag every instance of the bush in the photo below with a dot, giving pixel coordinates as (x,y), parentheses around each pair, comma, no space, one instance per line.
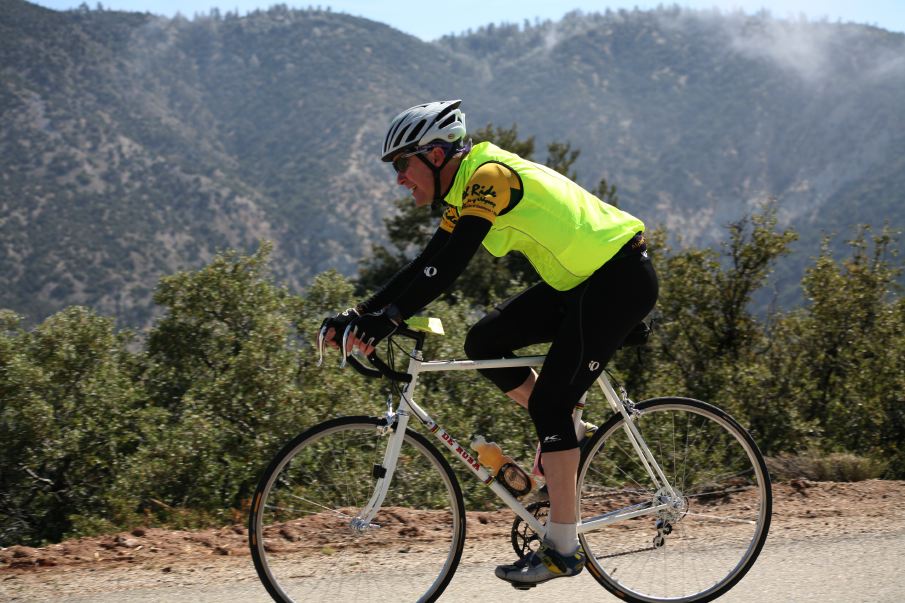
(818,467)
(100,435)
(70,419)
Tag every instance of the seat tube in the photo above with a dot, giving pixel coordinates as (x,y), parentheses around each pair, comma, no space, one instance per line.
(631,430)
(576,416)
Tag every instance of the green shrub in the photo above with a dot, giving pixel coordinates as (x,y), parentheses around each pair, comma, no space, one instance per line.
(832,467)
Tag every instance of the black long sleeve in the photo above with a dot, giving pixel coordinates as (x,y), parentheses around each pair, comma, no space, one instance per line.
(401,281)
(441,268)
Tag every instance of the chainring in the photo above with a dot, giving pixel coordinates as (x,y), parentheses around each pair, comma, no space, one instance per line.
(524,538)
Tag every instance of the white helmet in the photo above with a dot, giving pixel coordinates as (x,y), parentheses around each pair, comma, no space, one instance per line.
(440,121)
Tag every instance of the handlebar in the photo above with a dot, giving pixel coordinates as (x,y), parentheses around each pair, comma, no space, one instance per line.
(382,369)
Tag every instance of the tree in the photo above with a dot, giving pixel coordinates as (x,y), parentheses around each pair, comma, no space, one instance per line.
(606,192)
(704,317)
(223,363)
(849,337)
(560,157)
(70,418)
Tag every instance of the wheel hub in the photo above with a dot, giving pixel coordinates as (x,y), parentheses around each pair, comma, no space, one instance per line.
(676,506)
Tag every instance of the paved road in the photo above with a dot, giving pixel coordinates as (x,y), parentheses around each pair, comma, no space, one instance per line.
(853,569)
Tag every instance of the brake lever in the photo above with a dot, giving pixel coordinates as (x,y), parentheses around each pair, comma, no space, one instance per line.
(342,364)
(321,344)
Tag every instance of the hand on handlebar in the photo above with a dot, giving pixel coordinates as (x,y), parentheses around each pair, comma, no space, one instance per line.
(365,332)
(356,332)
(335,326)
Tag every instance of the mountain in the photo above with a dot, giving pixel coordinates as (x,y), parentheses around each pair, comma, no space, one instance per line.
(134,145)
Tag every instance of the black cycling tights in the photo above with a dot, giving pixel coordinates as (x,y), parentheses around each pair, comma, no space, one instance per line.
(586,326)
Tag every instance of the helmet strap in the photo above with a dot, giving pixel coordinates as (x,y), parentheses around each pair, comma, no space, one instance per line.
(437,170)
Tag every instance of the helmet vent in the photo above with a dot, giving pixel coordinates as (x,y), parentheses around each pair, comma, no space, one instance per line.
(448,121)
(401,134)
(447,110)
(390,134)
(416,131)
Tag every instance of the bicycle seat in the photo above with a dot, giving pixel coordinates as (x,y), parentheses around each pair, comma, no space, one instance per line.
(638,335)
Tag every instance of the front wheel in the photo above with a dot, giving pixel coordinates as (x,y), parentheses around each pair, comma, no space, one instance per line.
(692,542)
(304,543)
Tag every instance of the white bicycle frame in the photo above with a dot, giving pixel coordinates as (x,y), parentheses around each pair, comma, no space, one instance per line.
(398,420)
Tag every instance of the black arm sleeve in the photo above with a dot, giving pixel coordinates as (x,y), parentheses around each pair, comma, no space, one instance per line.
(404,278)
(443,268)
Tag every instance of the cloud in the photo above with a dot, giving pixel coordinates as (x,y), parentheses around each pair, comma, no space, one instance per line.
(814,51)
(806,50)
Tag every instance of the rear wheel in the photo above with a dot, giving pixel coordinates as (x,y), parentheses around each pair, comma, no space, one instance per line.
(708,530)
(302,538)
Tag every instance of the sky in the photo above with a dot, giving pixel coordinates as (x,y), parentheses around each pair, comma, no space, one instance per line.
(431,20)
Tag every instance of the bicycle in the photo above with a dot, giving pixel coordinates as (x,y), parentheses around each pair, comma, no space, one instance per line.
(679,514)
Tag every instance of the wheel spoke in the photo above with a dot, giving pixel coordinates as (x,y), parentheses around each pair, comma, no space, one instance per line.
(713,529)
(304,545)
(720,518)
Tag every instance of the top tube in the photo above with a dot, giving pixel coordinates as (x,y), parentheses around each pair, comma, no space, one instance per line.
(433,366)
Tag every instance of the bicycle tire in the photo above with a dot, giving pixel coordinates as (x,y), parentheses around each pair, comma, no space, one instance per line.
(301,539)
(710,535)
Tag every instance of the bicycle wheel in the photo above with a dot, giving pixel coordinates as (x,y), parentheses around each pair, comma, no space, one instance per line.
(302,541)
(707,536)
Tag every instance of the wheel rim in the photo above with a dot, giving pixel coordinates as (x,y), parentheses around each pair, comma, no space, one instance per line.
(309,546)
(714,521)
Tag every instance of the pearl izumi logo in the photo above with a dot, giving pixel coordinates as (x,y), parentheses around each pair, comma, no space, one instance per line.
(430,271)
(593,365)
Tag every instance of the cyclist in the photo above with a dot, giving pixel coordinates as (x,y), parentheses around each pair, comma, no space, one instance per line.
(597,285)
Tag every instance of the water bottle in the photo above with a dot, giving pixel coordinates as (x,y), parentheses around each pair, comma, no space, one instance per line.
(502,467)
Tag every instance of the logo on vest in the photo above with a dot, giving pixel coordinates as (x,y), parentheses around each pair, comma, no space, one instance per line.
(430,271)
(593,365)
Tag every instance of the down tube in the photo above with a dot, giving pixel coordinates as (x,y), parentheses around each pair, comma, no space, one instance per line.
(416,366)
(469,461)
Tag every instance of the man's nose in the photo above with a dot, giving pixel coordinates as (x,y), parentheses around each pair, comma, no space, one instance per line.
(400,178)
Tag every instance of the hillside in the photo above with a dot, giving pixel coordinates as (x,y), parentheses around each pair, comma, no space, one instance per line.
(134,145)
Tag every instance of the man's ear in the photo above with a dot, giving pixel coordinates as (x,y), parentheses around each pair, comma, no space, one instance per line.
(437,155)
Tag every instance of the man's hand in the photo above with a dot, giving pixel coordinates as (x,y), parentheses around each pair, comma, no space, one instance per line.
(336,326)
(369,330)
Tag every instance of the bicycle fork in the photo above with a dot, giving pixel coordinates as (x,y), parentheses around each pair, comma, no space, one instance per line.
(395,426)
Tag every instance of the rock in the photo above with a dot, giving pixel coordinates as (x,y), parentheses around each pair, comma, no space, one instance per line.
(203,541)
(129,543)
(801,484)
(410,531)
(22,552)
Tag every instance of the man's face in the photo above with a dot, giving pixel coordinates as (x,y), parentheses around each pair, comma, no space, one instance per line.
(418,178)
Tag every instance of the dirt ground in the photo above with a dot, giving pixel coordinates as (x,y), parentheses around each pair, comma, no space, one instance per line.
(802,509)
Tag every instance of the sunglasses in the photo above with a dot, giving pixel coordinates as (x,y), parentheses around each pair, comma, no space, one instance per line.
(401,163)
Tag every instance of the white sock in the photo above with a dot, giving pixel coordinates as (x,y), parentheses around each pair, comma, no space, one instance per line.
(563,537)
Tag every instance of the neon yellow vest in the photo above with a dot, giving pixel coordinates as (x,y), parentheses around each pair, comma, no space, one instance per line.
(565,232)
